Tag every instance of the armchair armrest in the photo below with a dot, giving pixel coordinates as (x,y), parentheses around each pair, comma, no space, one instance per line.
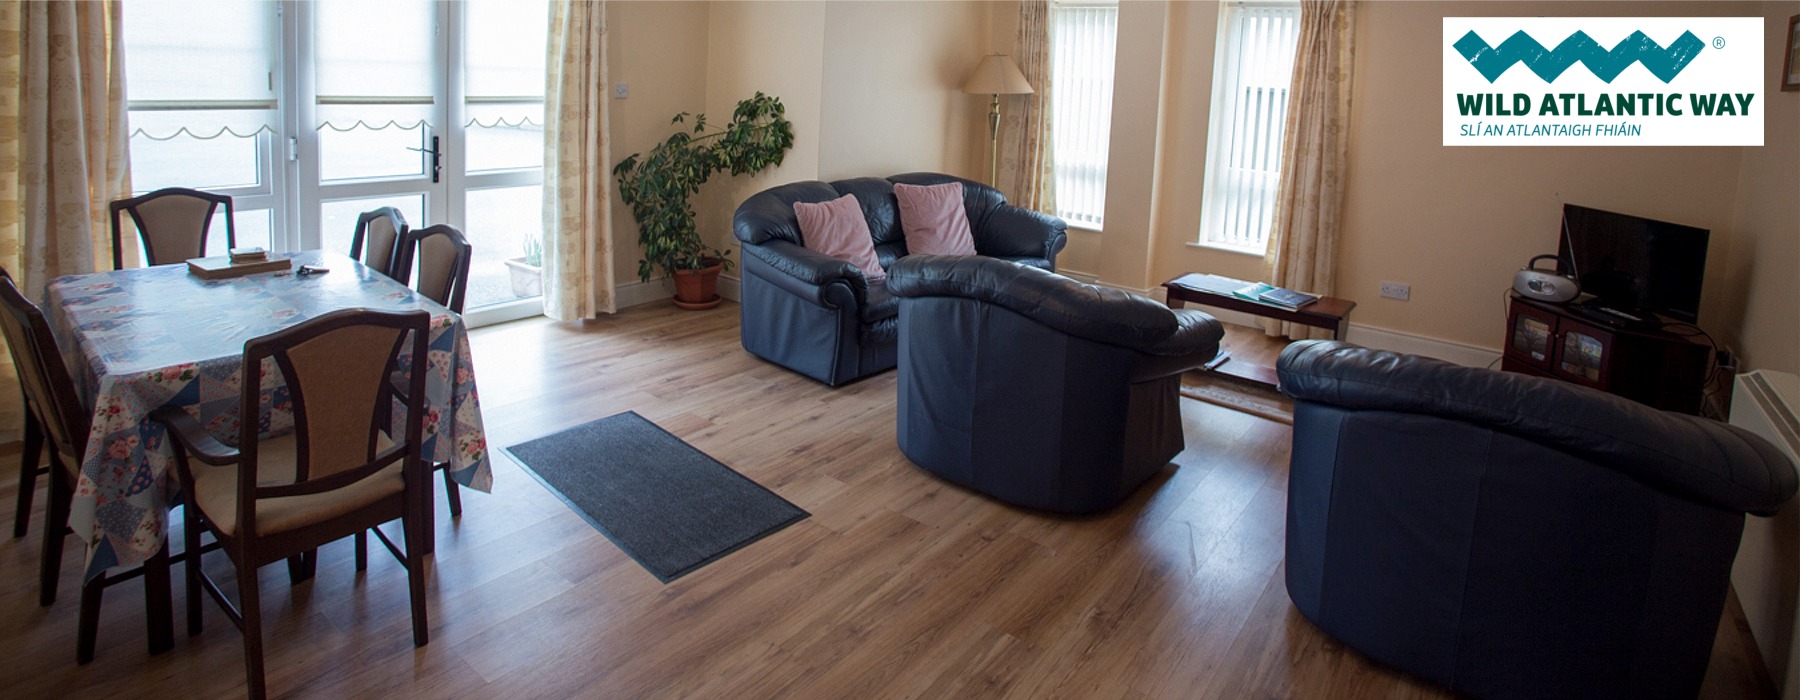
(1012,232)
(798,266)
(194,439)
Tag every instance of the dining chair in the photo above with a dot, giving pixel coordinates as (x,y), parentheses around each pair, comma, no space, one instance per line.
(442,255)
(382,229)
(172,223)
(50,397)
(338,474)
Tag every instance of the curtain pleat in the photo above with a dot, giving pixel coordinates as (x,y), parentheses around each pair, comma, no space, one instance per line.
(578,255)
(1303,243)
(1026,171)
(63,134)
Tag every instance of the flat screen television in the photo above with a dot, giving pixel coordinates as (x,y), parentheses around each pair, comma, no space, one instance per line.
(1635,265)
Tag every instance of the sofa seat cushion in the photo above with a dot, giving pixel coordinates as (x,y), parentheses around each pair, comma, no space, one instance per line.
(881,304)
(216,490)
(884,331)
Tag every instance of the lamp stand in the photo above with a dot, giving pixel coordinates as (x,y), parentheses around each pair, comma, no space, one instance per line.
(994,142)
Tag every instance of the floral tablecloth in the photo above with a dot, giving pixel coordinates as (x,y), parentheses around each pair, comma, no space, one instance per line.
(138,340)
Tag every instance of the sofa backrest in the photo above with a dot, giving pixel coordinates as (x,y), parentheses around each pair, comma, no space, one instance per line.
(769,215)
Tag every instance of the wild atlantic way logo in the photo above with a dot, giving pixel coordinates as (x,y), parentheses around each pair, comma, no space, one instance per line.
(1603,81)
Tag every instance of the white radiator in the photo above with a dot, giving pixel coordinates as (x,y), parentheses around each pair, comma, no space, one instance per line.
(1767,571)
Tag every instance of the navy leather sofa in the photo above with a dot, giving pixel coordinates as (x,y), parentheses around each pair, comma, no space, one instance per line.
(1036,389)
(1509,536)
(818,315)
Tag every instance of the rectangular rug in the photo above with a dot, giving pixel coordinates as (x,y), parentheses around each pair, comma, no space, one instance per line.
(668,505)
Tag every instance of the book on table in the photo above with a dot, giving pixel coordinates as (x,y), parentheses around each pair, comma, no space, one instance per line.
(1266,293)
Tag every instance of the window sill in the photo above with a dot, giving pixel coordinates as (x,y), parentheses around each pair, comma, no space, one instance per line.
(1083,229)
(1228,249)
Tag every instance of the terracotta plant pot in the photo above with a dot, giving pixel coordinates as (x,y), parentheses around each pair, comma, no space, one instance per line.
(698,289)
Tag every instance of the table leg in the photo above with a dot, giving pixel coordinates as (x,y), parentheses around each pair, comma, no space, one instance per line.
(1176,302)
(1343,328)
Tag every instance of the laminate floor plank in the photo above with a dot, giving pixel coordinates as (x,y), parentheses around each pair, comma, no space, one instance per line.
(899,585)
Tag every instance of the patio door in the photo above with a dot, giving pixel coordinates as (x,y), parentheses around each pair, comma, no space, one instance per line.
(433,108)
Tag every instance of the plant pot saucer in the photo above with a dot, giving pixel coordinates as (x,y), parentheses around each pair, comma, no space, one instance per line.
(698,305)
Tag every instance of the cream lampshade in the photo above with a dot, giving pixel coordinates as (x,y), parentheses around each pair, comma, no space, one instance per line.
(996,75)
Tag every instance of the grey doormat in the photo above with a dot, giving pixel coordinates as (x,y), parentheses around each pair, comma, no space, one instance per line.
(668,505)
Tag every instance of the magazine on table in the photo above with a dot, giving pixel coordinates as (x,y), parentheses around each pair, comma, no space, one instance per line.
(1271,294)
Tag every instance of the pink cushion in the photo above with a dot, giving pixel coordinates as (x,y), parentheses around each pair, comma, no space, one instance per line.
(933,219)
(837,228)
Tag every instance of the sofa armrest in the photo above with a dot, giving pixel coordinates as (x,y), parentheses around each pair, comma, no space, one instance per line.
(806,272)
(1012,232)
(1695,458)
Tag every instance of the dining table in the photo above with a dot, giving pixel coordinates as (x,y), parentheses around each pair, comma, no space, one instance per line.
(137,340)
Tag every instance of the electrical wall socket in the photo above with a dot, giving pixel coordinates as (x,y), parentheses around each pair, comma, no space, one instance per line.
(1396,290)
(621,90)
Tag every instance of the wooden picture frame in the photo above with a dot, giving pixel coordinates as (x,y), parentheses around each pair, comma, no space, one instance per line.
(1790,67)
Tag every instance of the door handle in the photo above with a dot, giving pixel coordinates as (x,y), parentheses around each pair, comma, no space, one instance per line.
(437,158)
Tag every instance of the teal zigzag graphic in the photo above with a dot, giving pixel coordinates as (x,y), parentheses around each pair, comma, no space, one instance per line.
(1606,65)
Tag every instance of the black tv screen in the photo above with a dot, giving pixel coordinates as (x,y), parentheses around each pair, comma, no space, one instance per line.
(1633,264)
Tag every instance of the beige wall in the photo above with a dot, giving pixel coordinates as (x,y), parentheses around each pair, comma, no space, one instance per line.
(1763,267)
(660,50)
(871,88)
(1455,223)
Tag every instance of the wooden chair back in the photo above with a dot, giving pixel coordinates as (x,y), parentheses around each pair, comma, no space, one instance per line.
(442,255)
(381,230)
(337,369)
(172,223)
(49,388)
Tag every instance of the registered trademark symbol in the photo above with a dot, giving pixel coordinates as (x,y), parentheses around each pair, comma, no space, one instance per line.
(1718,42)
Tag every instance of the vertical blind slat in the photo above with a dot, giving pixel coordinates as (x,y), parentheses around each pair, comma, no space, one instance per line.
(1245,169)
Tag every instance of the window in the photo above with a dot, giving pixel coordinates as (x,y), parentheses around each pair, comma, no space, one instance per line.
(1251,74)
(1082,37)
(307,114)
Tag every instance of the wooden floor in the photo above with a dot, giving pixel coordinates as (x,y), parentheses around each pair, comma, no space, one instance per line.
(899,585)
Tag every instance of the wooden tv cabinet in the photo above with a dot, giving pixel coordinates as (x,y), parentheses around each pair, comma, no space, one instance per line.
(1654,367)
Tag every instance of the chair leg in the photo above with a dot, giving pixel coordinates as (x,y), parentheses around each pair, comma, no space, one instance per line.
(415,567)
(159,611)
(362,550)
(302,566)
(451,493)
(28,469)
(191,567)
(56,527)
(251,602)
(88,621)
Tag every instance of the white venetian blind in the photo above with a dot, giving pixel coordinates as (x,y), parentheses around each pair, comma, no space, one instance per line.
(1082,40)
(1252,71)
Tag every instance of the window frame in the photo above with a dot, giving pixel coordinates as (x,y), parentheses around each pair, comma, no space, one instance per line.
(1222,132)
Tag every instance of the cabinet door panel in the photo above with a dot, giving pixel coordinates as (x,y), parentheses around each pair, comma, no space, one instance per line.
(1583,354)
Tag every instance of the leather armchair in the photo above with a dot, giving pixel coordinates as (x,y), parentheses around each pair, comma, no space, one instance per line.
(818,315)
(1036,389)
(1510,536)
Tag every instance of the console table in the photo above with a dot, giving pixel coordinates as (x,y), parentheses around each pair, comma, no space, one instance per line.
(1330,313)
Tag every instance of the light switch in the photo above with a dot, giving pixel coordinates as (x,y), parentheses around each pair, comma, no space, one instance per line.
(621,90)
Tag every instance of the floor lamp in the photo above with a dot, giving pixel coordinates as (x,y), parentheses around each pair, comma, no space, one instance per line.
(996,75)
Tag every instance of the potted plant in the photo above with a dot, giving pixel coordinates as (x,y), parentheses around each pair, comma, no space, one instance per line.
(659,185)
(527,271)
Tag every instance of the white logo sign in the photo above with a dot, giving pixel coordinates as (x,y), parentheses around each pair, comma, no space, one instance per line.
(1603,81)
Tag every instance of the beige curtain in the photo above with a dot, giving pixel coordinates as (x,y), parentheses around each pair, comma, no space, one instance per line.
(62,149)
(1024,174)
(578,256)
(1303,242)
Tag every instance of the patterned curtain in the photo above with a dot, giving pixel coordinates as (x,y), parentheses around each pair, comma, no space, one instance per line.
(1303,242)
(578,256)
(1025,146)
(62,149)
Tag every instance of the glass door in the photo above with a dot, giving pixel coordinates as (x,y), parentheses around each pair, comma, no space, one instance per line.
(435,109)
